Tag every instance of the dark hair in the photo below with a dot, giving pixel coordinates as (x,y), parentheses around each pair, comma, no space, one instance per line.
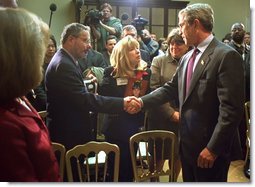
(175,36)
(160,41)
(54,40)
(227,37)
(110,37)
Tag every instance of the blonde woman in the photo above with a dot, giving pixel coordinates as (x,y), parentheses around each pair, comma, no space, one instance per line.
(26,153)
(127,76)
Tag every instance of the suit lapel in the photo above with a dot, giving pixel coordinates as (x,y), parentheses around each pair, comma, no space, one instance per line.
(74,63)
(182,76)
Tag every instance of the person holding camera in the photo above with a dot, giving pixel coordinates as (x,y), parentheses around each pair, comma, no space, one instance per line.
(106,26)
(148,44)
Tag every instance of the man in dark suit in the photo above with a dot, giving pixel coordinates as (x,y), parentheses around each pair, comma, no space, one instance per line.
(212,107)
(237,42)
(111,41)
(68,101)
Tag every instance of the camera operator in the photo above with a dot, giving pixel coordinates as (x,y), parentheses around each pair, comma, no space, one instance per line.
(148,44)
(108,25)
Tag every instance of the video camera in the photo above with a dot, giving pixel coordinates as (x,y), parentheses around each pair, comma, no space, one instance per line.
(92,17)
(139,24)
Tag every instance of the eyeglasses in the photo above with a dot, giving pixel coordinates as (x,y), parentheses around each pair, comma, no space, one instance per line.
(85,40)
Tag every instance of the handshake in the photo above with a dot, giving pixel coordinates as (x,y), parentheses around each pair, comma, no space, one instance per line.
(132,104)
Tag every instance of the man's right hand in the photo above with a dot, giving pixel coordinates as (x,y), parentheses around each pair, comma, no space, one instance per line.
(132,104)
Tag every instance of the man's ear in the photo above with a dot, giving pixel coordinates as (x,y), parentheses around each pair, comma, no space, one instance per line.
(196,23)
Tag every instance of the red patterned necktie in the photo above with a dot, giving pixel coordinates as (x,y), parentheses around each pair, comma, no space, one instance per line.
(190,69)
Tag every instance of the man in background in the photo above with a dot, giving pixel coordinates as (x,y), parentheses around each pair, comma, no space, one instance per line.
(131,30)
(109,45)
(238,34)
(148,44)
(108,25)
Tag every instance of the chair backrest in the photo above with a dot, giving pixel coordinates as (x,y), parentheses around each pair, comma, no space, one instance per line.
(143,148)
(248,126)
(247,114)
(60,152)
(43,115)
(90,162)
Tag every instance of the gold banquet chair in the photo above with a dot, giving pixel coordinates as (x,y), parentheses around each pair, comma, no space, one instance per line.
(248,125)
(90,161)
(43,115)
(60,151)
(144,162)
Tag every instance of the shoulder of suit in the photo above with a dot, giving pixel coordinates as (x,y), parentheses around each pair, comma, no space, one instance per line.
(222,47)
(144,51)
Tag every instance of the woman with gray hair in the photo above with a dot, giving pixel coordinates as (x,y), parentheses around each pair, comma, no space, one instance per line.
(26,152)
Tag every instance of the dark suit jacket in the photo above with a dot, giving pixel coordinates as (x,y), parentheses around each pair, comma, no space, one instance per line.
(69,102)
(213,108)
(145,55)
(93,59)
(106,58)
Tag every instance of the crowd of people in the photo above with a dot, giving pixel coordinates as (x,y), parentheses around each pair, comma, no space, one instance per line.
(142,85)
